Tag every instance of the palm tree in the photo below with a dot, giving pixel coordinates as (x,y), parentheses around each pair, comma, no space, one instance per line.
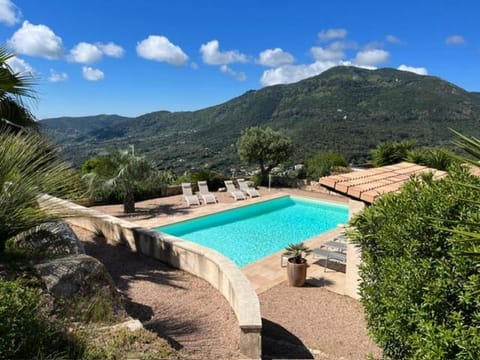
(14,88)
(29,168)
(124,173)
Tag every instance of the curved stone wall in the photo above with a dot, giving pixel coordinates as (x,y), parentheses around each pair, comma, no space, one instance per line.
(203,262)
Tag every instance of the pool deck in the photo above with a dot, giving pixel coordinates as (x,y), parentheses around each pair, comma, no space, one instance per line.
(264,273)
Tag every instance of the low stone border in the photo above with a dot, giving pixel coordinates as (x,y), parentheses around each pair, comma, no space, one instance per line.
(203,262)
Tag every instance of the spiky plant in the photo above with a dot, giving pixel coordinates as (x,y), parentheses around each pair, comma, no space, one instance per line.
(297,252)
(28,169)
(15,88)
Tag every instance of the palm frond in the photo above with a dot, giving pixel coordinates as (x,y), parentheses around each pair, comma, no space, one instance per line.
(28,168)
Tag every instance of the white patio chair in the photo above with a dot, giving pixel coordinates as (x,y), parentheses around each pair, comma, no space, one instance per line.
(207,196)
(188,195)
(250,191)
(233,191)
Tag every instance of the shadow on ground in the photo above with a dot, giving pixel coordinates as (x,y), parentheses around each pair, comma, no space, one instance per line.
(127,266)
(318,282)
(333,266)
(144,213)
(279,343)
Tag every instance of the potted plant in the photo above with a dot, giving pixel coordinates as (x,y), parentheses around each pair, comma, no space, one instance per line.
(297,264)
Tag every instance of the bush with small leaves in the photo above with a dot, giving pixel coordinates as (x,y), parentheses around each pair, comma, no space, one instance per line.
(419,290)
(25,330)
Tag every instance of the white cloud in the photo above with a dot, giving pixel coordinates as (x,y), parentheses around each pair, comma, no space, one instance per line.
(371,58)
(111,49)
(36,40)
(19,65)
(416,70)
(212,55)
(9,13)
(455,40)
(240,76)
(159,48)
(275,57)
(287,74)
(392,39)
(85,53)
(328,53)
(194,65)
(56,76)
(326,57)
(330,34)
(92,74)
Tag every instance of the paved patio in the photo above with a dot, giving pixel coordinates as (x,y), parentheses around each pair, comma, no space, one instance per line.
(263,274)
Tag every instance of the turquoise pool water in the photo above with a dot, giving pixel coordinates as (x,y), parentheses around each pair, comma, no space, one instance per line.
(252,232)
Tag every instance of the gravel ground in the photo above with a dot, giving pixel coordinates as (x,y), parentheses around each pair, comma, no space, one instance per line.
(312,322)
(193,316)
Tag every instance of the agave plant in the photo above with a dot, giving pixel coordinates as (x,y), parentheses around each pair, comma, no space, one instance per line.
(14,89)
(298,252)
(28,169)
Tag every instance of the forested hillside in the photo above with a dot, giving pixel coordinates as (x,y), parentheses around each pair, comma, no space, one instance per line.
(345,109)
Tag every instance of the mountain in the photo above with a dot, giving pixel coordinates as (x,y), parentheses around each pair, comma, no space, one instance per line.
(345,109)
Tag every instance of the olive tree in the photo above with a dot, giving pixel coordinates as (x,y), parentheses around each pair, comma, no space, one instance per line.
(265,147)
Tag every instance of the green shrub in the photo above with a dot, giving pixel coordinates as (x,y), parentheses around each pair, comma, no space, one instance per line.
(439,159)
(419,291)
(257,179)
(87,309)
(25,330)
(322,164)
(391,152)
(214,179)
(120,344)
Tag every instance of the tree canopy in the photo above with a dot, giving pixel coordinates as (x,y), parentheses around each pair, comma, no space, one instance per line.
(265,147)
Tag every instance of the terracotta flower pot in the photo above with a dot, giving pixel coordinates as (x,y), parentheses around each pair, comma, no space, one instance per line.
(296,273)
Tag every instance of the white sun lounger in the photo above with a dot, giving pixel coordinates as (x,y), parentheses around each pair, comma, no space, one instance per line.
(234,192)
(188,195)
(207,196)
(250,191)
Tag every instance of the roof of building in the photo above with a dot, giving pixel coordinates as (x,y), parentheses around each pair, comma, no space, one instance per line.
(368,185)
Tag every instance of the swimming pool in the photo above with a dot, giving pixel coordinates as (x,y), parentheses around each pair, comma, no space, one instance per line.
(252,232)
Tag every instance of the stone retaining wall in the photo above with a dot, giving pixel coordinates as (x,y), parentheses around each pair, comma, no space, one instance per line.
(203,262)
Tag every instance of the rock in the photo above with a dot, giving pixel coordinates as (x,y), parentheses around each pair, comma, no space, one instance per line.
(75,275)
(50,238)
(81,289)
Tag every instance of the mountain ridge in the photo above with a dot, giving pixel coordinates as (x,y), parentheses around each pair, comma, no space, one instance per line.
(344,109)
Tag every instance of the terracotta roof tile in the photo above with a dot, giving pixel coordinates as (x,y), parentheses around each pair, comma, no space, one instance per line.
(369,184)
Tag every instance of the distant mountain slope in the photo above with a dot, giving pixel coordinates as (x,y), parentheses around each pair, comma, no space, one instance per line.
(345,109)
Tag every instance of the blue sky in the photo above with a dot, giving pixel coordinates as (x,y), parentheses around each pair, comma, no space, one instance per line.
(133,57)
